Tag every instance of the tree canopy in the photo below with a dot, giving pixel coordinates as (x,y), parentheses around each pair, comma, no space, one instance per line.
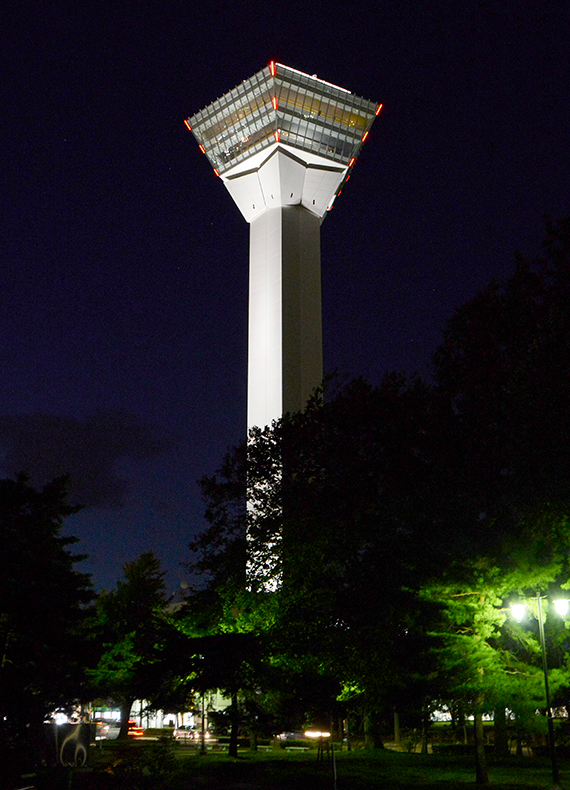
(42,607)
(391,504)
(131,625)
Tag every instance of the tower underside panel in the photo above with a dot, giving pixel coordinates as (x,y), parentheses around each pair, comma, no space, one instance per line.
(319,189)
(285,332)
(284,178)
(247,194)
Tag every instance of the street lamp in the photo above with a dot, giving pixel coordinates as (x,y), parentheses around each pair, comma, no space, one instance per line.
(518,611)
(323,738)
(319,735)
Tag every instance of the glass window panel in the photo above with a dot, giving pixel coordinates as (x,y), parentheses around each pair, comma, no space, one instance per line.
(311,115)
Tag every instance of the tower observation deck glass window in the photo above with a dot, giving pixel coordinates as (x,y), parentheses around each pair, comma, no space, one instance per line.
(282,104)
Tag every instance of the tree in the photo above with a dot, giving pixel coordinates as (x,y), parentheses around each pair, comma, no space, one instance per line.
(378,488)
(348,508)
(42,607)
(219,553)
(224,661)
(503,366)
(503,369)
(205,652)
(479,660)
(130,622)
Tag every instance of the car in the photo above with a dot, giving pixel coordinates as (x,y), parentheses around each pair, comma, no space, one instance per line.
(134,730)
(102,728)
(106,729)
(297,735)
(110,730)
(185,733)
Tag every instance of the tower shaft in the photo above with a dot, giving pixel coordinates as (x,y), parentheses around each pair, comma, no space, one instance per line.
(283,143)
(285,333)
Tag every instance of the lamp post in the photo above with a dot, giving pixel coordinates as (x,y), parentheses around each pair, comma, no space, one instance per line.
(203,729)
(561,606)
(323,738)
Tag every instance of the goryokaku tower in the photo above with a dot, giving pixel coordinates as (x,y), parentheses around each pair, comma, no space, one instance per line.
(283,143)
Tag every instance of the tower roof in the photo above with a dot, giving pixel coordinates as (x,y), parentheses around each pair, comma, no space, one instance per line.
(282,105)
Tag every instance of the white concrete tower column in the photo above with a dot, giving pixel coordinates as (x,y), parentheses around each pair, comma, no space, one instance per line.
(285,362)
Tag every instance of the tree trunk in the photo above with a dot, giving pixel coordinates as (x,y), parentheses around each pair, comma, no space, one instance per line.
(125,708)
(233,750)
(396,726)
(500,732)
(372,738)
(253,742)
(425,731)
(348,733)
(339,731)
(459,724)
(336,727)
(481,774)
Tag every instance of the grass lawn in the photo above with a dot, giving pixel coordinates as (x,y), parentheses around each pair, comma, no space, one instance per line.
(143,767)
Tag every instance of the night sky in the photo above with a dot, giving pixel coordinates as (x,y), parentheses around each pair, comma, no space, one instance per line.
(123,299)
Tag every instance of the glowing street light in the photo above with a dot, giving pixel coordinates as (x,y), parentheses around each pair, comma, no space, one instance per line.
(323,738)
(316,734)
(518,612)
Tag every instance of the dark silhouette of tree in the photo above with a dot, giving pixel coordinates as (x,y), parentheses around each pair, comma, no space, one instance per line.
(504,369)
(378,494)
(348,504)
(504,365)
(42,605)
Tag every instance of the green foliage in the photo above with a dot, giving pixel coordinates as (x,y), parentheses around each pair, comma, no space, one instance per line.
(219,553)
(130,623)
(334,484)
(150,768)
(407,516)
(503,370)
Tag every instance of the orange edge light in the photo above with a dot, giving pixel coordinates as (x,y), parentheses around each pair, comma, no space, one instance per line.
(364,136)
(274,102)
(272,68)
(276,135)
(351,162)
(378,109)
(201,147)
(187,124)
(216,172)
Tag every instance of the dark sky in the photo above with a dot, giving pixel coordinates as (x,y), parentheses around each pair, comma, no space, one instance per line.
(123,299)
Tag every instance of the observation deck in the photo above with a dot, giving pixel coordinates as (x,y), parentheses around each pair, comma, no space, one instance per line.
(283,138)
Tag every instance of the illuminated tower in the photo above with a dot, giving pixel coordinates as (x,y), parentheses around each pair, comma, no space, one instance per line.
(283,143)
